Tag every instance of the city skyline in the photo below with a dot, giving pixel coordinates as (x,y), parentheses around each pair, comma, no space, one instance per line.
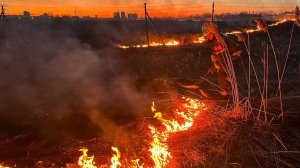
(157,8)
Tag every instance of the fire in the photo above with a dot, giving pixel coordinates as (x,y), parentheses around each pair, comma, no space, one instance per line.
(201,39)
(1,166)
(115,159)
(252,30)
(172,43)
(234,32)
(184,120)
(153,108)
(153,44)
(140,46)
(122,46)
(259,28)
(136,164)
(279,22)
(85,161)
(158,147)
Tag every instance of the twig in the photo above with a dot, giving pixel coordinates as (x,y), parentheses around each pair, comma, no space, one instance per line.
(254,156)
(298,75)
(279,141)
(278,75)
(288,152)
(288,53)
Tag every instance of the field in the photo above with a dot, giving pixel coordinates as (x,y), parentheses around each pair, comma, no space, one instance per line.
(66,86)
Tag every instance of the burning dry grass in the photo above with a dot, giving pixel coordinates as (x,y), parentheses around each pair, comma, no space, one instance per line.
(217,137)
(194,39)
(220,139)
(1,166)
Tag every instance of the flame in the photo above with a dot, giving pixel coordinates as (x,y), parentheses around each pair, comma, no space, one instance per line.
(153,108)
(88,162)
(200,40)
(85,161)
(172,43)
(159,148)
(277,23)
(123,46)
(234,32)
(141,46)
(153,44)
(259,28)
(1,166)
(115,159)
(253,30)
(136,164)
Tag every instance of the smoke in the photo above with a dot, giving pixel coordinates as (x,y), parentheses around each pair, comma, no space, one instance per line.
(54,86)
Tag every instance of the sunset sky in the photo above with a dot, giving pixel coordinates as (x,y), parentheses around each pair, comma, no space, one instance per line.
(157,8)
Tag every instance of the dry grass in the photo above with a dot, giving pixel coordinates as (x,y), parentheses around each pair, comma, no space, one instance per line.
(220,139)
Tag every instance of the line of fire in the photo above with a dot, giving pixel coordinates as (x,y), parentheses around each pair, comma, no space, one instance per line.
(150,93)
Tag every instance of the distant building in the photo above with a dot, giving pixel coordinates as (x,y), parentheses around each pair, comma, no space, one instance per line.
(45,17)
(26,15)
(123,16)
(117,15)
(87,18)
(132,16)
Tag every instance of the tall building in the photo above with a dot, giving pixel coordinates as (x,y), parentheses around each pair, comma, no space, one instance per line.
(132,16)
(117,15)
(123,15)
(26,15)
(45,16)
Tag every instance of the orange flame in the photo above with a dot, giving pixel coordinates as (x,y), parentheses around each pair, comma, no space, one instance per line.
(201,39)
(122,46)
(277,23)
(172,43)
(85,161)
(234,32)
(136,164)
(159,148)
(115,159)
(1,166)
(259,28)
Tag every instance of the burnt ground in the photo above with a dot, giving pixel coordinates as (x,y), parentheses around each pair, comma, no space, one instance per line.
(45,120)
